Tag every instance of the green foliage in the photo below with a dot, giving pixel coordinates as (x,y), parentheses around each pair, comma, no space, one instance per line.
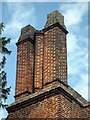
(3,62)
(4,91)
(1,27)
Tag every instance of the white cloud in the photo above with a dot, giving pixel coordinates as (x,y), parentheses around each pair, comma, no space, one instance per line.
(72,43)
(82,87)
(3,113)
(77,55)
(21,17)
(73,13)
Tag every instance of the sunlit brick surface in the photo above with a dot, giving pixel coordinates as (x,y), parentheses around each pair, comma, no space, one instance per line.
(55,55)
(24,75)
(49,56)
(56,106)
(38,76)
(61,55)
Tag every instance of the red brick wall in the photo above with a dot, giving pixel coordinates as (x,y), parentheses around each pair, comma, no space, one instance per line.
(24,74)
(55,55)
(56,106)
(61,55)
(50,57)
(38,76)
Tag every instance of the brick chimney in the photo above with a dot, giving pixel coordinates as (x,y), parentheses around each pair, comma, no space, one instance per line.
(25,56)
(55,49)
(41,56)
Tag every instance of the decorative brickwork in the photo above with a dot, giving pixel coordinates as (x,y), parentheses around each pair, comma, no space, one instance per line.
(51,102)
(25,56)
(24,77)
(42,90)
(55,55)
(38,76)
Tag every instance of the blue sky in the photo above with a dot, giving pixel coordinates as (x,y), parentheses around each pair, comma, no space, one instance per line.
(16,15)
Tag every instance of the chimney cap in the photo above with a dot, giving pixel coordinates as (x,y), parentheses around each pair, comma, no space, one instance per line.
(55,17)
